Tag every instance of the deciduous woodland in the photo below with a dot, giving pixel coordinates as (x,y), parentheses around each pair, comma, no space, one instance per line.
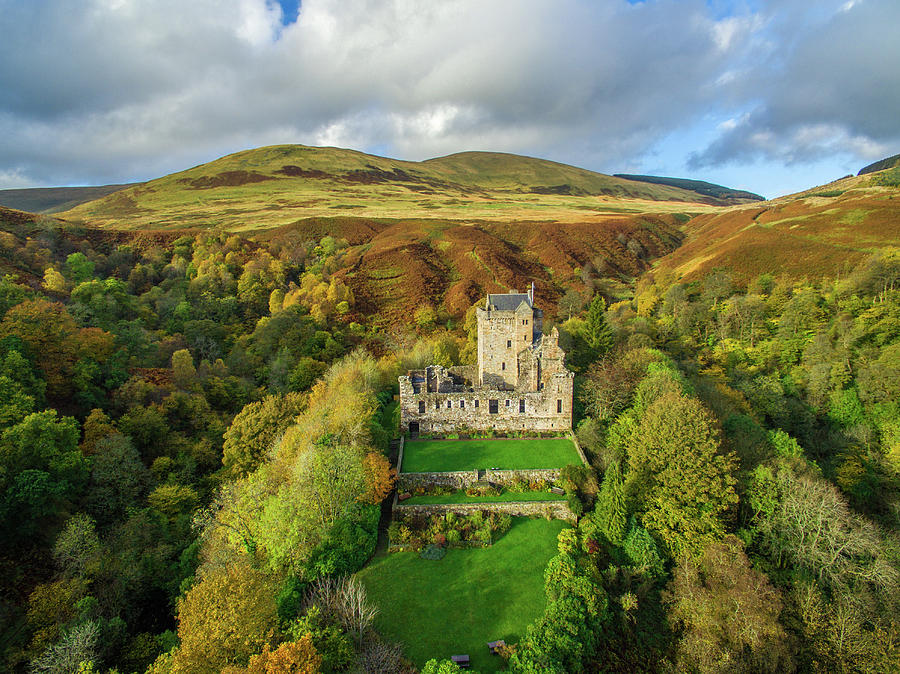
(195,446)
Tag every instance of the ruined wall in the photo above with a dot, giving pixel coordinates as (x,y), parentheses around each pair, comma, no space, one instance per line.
(547,410)
(551,509)
(463,479)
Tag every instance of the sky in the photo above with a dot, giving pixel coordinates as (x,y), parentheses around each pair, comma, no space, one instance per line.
(772,96)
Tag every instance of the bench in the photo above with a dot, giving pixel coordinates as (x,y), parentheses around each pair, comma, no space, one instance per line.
(462,661)
(557,490)
(495,646)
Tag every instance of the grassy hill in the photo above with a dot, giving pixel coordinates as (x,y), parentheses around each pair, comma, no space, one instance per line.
(698,186)
(820,231)
(275,186)
(54,199)
(881,165)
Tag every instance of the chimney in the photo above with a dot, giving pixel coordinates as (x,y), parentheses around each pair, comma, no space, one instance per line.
(531,293)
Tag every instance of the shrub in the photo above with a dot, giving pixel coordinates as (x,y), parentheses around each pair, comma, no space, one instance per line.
(433,552)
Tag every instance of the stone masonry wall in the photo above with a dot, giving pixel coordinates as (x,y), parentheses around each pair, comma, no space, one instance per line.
(452,412)
(553,509)
(463,479)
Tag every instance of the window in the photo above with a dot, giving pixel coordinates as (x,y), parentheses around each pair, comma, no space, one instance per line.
(462,404)
(521,405)
(559,406)
(507,403)
(449,404)
(492,406)
(421,407)
(476,403)
(502,366)
(524,338)
(508,343)
(437,404)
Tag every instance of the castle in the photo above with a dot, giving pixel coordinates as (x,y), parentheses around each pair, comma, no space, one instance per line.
(520,381)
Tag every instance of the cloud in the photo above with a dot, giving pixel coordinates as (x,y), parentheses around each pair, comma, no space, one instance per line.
(831,89)
(130,89)
(124,89)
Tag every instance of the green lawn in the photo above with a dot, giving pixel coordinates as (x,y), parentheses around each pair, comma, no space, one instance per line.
(460,496)
(435,456)
(471,596)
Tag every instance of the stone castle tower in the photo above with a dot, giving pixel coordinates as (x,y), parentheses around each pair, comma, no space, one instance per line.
(519,383)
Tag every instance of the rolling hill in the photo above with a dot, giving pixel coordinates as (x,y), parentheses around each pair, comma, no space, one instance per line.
(275,186)
(698,186)
(54,199)
(818,232)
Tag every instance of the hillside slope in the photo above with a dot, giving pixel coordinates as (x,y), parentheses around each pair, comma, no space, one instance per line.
(821,231)
(699,186)
(274,186)
(54,199)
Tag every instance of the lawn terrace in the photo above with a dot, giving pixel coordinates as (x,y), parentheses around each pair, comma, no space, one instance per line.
(436,456)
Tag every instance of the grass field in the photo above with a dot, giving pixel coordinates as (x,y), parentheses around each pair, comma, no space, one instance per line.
(458,604)
(460,496)
(436,456)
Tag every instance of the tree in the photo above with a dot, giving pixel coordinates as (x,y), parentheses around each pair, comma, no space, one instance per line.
(380,477)
(344,601)
(291,657)
(79,267)
(728,613)
(599,334)
(228,615)
(183,371)
(76,651)
(681,482)
(572,302)
(611,507)
(77,545)
(118,478)
(256,428)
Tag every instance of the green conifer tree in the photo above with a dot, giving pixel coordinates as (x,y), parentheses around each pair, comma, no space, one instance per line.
(599,335)
(611,505)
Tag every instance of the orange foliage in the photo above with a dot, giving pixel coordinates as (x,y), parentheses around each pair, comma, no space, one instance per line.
(292,657)
(380,477)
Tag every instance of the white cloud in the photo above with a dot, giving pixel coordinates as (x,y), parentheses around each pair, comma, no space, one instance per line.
(127,90)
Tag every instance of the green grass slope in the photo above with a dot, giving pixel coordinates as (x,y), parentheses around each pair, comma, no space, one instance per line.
(457,604)
(54,199)
(275,186)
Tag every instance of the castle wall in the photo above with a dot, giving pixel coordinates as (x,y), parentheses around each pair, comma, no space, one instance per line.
(546,410)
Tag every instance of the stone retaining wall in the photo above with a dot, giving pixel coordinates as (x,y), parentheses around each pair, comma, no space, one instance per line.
(557,510)
(463,479)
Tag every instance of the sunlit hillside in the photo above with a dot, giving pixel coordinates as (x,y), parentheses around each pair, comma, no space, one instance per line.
(274,186)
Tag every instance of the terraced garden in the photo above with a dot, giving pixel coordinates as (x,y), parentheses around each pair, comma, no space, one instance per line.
(438,456)
(470,597)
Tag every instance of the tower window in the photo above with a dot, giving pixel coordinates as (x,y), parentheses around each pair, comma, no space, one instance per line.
(462,404)
(508,343)
(437,404)
(507,403)
(421,407)
(521,405)
(449,404)
(502,366)
(476,402)
(559,406)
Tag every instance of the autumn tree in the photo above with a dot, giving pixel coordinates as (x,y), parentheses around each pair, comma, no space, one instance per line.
(227,616)
(681,481)
(728,614)
(255,429)
(379,476)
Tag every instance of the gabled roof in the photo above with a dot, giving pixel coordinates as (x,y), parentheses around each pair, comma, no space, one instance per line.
(508,301)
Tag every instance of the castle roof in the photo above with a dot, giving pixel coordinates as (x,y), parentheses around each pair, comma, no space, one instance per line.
(507,301)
